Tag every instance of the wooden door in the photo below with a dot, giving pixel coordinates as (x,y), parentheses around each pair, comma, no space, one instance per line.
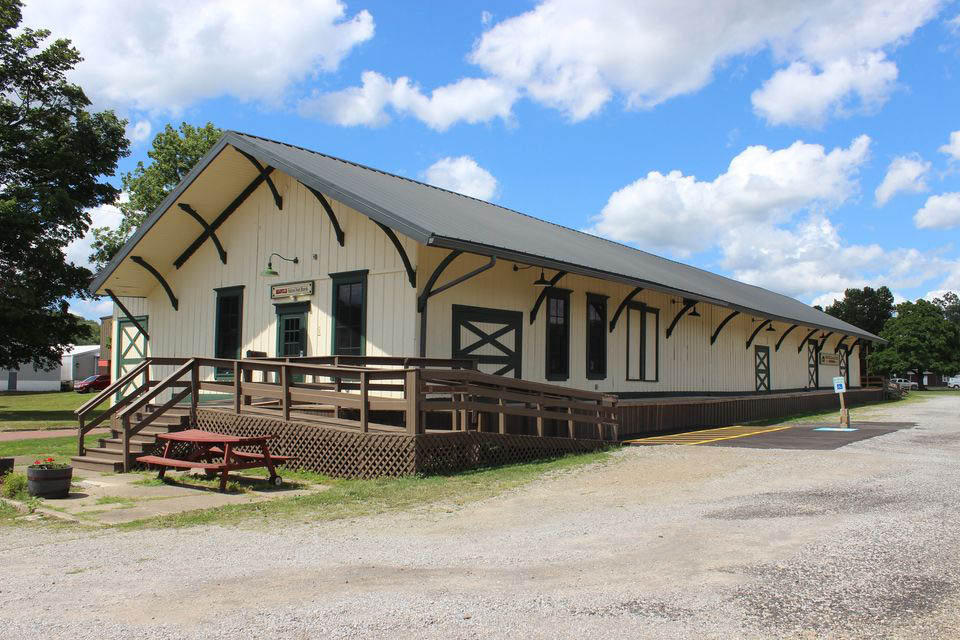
(492,337)
(813,369)
(131,351)
(762,367)
(845,365)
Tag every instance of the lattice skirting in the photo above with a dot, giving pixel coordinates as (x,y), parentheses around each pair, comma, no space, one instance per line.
(340,453)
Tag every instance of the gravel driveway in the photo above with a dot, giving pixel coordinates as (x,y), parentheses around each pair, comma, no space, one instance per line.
(661,542)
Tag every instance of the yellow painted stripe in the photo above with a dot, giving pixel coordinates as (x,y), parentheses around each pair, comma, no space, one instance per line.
(706,435)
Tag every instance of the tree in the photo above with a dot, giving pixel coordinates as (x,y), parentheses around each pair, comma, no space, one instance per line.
(174,153)
(53,154)
(90,332)
(919,338)
(868,309)
(950,305)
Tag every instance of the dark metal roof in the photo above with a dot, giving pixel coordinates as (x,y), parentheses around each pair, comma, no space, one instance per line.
(441,218)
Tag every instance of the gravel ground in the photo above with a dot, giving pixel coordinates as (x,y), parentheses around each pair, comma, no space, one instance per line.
(661,542)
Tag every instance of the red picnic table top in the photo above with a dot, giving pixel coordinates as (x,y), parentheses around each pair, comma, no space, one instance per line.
(208,445)
(198,435)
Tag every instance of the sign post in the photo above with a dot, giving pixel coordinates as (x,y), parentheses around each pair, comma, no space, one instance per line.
(840,387)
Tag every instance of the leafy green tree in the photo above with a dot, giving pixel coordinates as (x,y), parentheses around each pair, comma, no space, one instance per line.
(90,332)
(950,305)
(867,308)
(174,153)
(53,154)
(919,338)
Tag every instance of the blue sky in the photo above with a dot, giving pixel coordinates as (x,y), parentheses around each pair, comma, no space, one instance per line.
(803,147)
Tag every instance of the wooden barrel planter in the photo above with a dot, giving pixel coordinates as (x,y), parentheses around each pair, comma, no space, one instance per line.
(49,483)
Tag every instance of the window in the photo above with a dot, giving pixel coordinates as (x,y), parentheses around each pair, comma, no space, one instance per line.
(349,313)
(643,343)
(227,338)
(558,334)
(596,336)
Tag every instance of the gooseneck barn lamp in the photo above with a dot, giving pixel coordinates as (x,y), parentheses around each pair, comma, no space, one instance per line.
(269,272)
(539,282)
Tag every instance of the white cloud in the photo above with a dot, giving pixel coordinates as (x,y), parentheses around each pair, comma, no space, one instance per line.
(952,148)
(470,100)
(91,309)
(486,17)
(78,251)
(164,56)
(138,131)
(827,299)
(905,173)
(463,175)
(565,54)
(682,214)
(939,212)
(800,94)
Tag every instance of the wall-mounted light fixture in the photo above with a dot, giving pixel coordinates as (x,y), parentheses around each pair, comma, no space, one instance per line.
(269,272)
(539,282)
(770,327)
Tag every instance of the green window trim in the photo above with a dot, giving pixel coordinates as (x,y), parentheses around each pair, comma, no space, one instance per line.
(357,324)
(557,335)
(647,314)
(595,347)
(224,297)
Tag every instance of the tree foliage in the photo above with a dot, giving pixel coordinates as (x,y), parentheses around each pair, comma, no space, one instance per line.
(950,305)
(173,153)
(867,308)
(89,332)
(53,154)
(919,338)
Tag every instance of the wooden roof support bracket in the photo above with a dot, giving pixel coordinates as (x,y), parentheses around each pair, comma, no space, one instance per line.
(823,341)
(265,172)
(723,323)
(126,312)
(785,334)
(411,272)
(156,274)
(429,291)
(804,341)
(622,306)
(226,213)
(687,305)
(856,343)
(330,214)
(543,294)
(206,227)
(843,339)
(757,330)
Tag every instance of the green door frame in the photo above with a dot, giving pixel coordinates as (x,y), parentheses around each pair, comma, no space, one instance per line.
(121,351)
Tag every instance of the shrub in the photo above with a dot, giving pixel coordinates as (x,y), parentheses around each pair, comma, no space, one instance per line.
(15,486)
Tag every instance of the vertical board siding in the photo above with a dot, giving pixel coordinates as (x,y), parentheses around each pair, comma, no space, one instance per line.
(300,229)
(688,362)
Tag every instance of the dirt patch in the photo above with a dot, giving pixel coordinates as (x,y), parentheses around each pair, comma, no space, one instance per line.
(818,502)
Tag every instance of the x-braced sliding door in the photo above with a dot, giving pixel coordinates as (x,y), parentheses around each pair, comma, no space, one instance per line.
(813,373)
(761,355)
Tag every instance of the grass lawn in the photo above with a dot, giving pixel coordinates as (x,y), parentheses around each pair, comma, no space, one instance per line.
(42,410)
(59,448)
(860,412)
(352,498)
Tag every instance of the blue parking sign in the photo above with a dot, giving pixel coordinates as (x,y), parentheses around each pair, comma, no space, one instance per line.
(839,384)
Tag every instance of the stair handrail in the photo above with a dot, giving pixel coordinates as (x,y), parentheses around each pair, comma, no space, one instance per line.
(170,381)
(84,427)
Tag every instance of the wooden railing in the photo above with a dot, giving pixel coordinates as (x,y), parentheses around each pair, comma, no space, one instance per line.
(873,382)
(309,389)
(475,397)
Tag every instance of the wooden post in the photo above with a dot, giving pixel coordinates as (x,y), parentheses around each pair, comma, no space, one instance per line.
(126,442)
(364,402)
(571,429)
(80,433)
(540,416)
(844,416)
(411,392)
(285,391)
(237,399)
(194,393)
(338,387)
(247,377)
(502,416)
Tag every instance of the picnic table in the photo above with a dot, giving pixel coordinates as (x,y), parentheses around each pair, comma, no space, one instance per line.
(206,446)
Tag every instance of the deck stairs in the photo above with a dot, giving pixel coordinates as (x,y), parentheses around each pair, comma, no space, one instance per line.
(108,457)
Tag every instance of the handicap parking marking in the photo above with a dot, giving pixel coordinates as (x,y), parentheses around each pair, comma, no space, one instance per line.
(704,436)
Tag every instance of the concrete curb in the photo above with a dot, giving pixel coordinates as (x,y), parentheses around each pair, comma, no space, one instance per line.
(24,508)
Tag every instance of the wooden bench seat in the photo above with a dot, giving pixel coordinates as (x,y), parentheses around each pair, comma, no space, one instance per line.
(252,456)
(182,464)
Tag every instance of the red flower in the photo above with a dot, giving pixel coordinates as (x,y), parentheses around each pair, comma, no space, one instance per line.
(49,459)
(36,462)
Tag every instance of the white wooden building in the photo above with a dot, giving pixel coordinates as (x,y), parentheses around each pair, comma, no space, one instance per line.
(369,263)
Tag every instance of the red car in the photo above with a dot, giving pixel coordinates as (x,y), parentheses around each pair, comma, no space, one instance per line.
(93,383)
